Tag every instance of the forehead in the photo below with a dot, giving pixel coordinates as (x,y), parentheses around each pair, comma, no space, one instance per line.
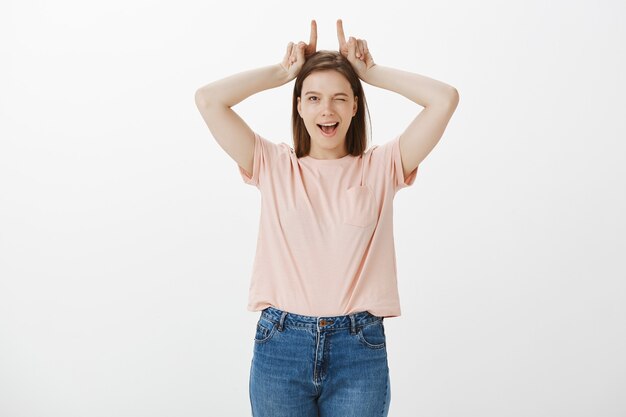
(326,82)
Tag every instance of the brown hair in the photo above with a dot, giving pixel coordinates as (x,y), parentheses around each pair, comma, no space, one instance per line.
(356,136)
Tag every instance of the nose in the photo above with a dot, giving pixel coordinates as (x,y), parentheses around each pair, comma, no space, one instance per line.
(327,109)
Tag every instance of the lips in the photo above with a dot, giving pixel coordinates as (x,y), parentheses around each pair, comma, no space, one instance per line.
(328,129)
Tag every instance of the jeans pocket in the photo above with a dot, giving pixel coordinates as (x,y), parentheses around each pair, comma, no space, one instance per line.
(372,335)
(265,329)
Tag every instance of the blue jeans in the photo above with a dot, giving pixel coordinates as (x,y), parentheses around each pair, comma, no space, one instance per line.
(305,366)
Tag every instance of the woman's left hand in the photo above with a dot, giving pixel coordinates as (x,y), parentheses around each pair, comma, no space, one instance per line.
(356,51)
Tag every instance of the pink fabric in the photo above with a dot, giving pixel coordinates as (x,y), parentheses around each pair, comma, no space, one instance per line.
(325,243)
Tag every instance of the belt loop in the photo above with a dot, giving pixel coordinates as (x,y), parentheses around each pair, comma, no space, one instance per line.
(282,321)
(352,325)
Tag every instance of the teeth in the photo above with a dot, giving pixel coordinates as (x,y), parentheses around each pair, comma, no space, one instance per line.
(329,124)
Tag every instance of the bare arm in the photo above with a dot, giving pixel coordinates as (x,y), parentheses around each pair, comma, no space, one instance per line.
(424,132)
(214,100)
(235,88)
(438,99)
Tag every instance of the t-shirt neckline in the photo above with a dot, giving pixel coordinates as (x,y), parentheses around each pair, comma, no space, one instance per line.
(328,161)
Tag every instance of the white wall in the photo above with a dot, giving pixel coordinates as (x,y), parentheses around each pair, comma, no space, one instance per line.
(127,235)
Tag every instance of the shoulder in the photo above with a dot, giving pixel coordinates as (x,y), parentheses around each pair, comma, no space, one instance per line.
(382,151)
(273,148)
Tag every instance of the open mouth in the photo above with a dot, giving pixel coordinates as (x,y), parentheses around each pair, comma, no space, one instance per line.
(328,129)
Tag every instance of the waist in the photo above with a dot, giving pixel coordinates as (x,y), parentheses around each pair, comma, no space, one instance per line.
(286,318)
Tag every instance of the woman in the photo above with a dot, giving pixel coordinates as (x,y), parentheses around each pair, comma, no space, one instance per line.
(324,275)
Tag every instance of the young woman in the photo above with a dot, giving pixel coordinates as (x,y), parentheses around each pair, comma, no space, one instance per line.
(324,275)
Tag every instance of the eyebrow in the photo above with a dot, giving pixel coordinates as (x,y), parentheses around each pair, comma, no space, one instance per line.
(319,94)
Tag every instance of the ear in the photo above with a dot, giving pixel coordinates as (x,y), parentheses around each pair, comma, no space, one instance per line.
(299,107)
(356,106)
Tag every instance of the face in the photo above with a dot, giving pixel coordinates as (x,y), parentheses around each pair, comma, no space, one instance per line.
(327,98)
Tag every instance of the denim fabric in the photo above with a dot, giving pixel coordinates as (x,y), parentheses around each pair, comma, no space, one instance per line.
(305,366)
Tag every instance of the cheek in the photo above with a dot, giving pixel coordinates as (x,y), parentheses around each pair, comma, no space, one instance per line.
(308,116)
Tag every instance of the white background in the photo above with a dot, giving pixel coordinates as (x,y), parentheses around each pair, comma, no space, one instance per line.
(127,235)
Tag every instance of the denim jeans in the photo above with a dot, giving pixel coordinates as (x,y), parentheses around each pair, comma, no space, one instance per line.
(305,366)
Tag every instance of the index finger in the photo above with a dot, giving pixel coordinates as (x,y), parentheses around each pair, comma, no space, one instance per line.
(313,38)
(340,35)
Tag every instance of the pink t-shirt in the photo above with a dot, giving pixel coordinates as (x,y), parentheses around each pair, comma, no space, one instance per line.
(325,244)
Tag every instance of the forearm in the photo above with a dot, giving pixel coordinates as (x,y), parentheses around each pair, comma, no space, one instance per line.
(418,88)
(235,88)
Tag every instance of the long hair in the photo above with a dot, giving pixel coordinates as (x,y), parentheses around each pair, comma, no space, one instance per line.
(356,136)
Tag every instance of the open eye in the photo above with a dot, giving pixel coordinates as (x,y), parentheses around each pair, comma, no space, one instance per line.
(312,97)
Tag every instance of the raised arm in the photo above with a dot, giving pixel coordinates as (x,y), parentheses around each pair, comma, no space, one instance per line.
(424,132)
(438,99)
(214,100)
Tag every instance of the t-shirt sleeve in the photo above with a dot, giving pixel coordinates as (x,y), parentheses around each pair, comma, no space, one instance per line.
(388,155)
(265,152)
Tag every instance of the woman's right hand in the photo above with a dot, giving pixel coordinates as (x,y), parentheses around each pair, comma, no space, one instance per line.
(298,53)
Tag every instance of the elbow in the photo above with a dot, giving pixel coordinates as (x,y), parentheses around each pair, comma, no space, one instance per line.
(447,98)
(200,98)
(205,98)
(454,96)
